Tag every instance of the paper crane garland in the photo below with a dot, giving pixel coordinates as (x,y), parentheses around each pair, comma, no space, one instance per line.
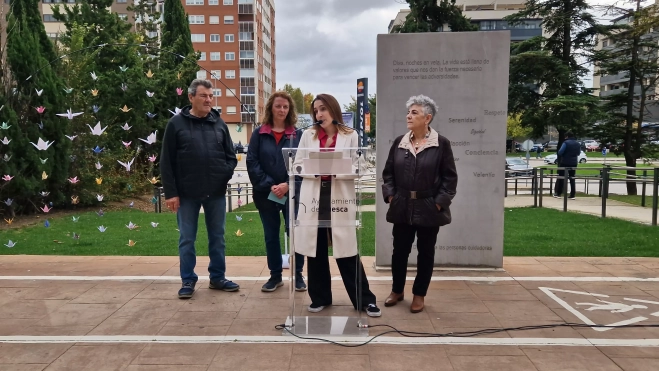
(69,114)
(42,145)
(150,139)
(128,164)
(96,130)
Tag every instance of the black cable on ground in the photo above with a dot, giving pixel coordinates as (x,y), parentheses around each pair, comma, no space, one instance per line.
(486,331)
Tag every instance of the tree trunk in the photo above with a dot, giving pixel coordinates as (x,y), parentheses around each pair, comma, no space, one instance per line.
(630,147)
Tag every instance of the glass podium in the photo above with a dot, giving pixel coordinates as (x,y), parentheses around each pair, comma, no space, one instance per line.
(328,194)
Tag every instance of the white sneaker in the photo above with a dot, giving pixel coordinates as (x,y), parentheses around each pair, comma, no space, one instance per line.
(315,308)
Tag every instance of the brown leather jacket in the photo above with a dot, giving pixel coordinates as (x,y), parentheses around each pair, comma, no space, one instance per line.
(419,183)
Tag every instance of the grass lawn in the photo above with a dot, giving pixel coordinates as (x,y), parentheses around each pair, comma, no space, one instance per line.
(528,232)
(630,199)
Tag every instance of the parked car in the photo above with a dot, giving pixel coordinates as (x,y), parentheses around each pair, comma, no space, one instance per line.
(551,159)
(535,147)
(518,167)
(551,146)
(591,145)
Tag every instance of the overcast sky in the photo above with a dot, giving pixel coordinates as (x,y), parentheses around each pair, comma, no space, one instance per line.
(324,46)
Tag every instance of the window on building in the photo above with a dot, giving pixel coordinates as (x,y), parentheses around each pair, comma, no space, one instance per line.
(215,56)
(214,19)
(231,110)
(228,38)
(229,56)
(194,2)
(215,37)
(152,34)
(49,18)
(196,19)
(216,74)
(218,108)
(201,74)
(198,37)
(123,16)
(121,1)
(231,92)
(212,2)
(217,92)
(228,19)
(230,74)
(202,56)
(228,2)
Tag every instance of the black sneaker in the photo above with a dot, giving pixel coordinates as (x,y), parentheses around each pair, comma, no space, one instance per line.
(186,291)
(299,283)
(272,285)
(556,196)
(372,310)
(224,285)
(572,198)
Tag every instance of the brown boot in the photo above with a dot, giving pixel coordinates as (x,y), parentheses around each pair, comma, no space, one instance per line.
(417,304)
(393,299)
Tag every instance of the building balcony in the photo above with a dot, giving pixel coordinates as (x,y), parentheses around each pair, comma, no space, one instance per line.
(637,92)
(613,79)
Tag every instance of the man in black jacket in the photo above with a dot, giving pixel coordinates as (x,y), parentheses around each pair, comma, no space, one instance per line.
(568,156)
(196,164)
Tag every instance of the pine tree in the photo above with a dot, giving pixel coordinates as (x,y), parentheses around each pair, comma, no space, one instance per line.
(37,85)
(175,34)
(632,50)
(545,78)
(431,16)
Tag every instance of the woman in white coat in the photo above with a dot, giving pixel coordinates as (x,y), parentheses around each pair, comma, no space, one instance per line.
(328,208)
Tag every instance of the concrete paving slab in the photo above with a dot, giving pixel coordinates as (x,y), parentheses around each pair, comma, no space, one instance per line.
(137,322)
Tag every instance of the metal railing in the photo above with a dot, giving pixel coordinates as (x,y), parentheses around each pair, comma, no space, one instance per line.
(534,182)
(237,194)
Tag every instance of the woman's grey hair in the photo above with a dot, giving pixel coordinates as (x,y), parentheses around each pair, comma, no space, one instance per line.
(428,105)
(196,83)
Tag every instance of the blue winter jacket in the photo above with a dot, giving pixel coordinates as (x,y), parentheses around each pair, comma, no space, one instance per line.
(569,153)
(265,160)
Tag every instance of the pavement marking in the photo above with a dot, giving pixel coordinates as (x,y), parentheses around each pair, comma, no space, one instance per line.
(338,278)
(600,305)
(353,340)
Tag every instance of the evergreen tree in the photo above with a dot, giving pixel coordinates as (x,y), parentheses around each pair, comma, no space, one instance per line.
(545,78)
(175,34)
(26,53)
(632,50)
(431,16)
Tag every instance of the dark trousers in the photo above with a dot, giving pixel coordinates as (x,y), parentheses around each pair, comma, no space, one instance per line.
(425,245)
(351,268)
(558,188)
(270,212)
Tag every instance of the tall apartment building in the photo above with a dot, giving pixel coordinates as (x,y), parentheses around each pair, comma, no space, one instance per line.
(488,16)
(237,44)
(236,41)
(608,85)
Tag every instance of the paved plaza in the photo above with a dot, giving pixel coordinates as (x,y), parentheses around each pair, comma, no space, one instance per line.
(122,313)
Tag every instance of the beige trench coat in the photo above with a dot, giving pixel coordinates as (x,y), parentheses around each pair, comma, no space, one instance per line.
(344,234)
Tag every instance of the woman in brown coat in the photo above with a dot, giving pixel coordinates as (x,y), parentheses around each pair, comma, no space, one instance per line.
(420,180)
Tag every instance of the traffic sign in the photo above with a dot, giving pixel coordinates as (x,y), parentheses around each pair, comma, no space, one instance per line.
(527,145)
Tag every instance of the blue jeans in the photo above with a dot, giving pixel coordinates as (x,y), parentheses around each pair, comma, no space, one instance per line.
(270,217)
(188,218)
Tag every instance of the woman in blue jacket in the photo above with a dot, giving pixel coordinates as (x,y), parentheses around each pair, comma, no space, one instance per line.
(268,175)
